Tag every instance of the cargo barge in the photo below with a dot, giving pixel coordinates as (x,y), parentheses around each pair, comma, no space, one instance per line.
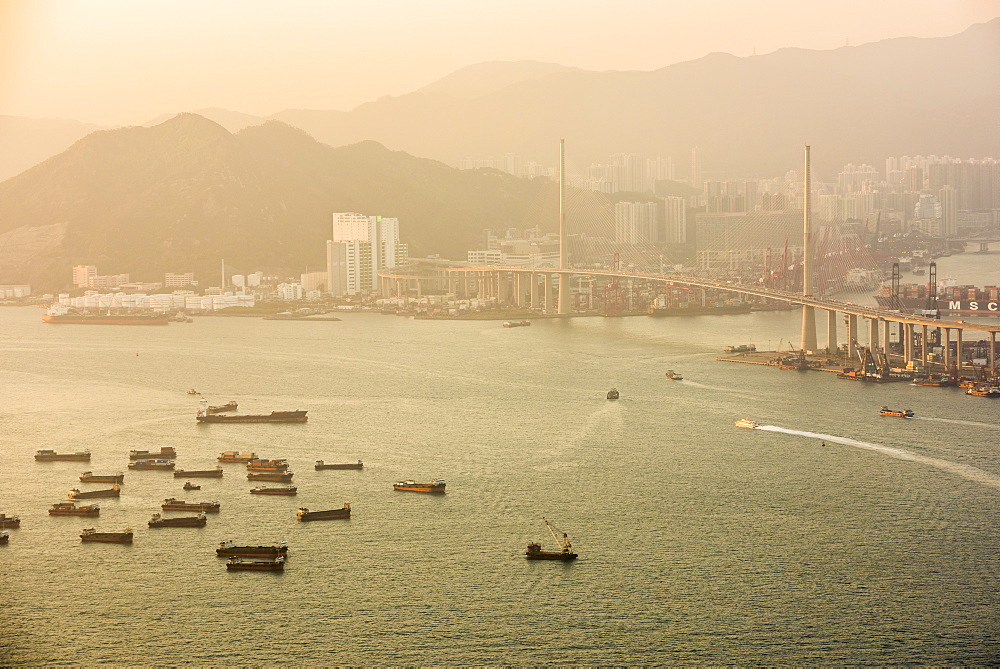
(172,504)
(185,521)
(436,486)
(113,491)
(152,464)
(203,416)
(71,509)
(123,537)
(333,514)
(237,457)
(165,453)
(349,465)
(239,564)
(274,477)
(199,473)
(90,477)
(47,455)
(230,549)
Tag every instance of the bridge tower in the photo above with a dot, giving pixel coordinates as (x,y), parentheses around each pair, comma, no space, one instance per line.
(808,312)
(562,306)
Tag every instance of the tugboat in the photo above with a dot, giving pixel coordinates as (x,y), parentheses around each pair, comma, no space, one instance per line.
(436,486)
(191,486)
(180,505)
(746,422)
(275,477)
(886,411)
(199,473)
(350,465)
(613,394)
(165,453)
(90,477)
(123,537)
(291,490)
(565,554)
(185,521)
(239,564)
(71,509)
(48,455)
(674,376)
(113,491)
(333,514)
(228,549)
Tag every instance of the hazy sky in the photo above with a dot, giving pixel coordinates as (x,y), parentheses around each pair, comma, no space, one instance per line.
(127,61)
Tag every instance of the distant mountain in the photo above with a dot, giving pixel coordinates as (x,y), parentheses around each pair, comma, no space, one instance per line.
(747,116)
(230,120)
(25,142)
(185,194)
(487,78)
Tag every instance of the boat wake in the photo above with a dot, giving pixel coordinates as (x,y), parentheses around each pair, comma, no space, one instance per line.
(960,422)
(965,471)
(720,389)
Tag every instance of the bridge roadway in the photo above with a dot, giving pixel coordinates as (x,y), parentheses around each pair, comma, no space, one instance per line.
(874,315)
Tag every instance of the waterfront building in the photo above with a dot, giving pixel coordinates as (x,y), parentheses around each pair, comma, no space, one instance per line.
(360,247)
(172,280)
(82,275)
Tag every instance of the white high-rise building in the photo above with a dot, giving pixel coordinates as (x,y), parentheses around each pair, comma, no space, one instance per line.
(635,222)
(676,220)
(361,246)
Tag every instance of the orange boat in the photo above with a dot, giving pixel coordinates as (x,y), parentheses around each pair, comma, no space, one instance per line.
(258,465)
(411,486)
(236,456)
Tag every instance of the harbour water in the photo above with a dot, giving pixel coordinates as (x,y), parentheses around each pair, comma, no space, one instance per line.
(832,536)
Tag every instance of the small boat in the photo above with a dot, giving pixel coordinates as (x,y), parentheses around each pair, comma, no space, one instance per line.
(192,391)
(613,394)
(48,455)
(983,391)
(518,324)
(239,564)
(886,411)
(199,473)
(9,521)
(674,376)
(123,537)
(332,514)
(411,486)
(71,509)
(191,486)
(746,422)
(184,521)
(113,491)
(565,553)
(222,408)
(291,490)
(165,453)
(350,465)
(172,504)
(274,477)
(90,477)
(236,456)
(152,464)
(228,549)
(259,465)
(4,536)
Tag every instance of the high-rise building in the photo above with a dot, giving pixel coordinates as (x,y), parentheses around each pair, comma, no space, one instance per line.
(83,275)
(635,222)
(361,246)
(675,229)
(949,211)
(172,280)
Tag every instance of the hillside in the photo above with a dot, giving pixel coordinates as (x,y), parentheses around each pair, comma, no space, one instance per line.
(185,194)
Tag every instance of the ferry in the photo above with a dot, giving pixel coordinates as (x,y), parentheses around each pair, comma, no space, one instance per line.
(886,411)
(333,514)
(436,486)
(90,477)
(113,491)
(613,394)
(239,564)
(984,391)
(172,504)
(123,537)
(747,423)
(48,455)
(71,509)
(229,548)
(565,553)
(290,490)
(350,465)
